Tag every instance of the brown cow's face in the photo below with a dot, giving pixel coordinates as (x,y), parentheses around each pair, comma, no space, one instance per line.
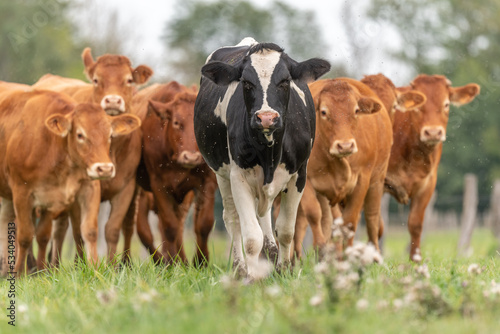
(89,131)
(432,117)
(338,108)
(179,132)
(114,81)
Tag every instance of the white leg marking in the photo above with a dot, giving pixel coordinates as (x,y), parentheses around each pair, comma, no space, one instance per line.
(285,224)
(244,201)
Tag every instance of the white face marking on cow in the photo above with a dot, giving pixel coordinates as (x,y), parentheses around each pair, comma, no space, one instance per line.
(264,64)
(299,92)
(221,108)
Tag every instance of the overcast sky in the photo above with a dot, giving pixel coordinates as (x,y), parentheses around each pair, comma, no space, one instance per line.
(150,18)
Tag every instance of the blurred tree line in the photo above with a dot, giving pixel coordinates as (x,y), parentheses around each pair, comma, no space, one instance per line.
(457,38)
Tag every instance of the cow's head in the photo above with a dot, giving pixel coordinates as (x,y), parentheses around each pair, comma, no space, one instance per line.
(338,108)
(179,128)
(431,118)
(89,131)
(266,76)
(392,98)
(114,80)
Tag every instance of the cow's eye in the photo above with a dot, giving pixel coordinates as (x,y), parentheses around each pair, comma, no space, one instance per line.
(177,124)
(130,81)
(323,113)
(247,85)
(284,84)
(95,81)
(80,136)
(357,111)
(447,105)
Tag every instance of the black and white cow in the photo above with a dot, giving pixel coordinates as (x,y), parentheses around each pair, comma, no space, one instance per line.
(255,123)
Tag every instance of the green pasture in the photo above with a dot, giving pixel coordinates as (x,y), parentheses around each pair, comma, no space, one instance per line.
(393,297)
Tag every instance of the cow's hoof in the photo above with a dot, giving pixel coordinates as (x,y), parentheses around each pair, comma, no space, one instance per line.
(240,269)
(284,267)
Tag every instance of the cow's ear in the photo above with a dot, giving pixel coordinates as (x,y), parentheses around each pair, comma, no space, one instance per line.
(141,74)
(59,124)
(410,100)
(88,62)
(221,73)
(309,70)
(163,110)
(124,124)
(367,105)
(464,94)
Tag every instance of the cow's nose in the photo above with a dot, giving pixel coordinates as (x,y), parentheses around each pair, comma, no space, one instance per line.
(343,148)
(433,134)
(113,104)
(190,159)
(267,119)
(101,171)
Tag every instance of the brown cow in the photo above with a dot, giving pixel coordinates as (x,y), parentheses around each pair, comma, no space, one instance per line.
(418,143)
(392,100)
(175,168)
(113,86)
(52,149)
(348,160)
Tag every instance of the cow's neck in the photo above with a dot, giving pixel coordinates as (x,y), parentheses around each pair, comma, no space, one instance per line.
(329,175)
(268,151)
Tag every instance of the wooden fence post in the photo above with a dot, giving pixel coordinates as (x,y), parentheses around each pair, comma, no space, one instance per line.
(494,214)
(469,211)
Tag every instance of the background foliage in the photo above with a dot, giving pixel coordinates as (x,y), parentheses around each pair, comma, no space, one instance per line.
(457,38)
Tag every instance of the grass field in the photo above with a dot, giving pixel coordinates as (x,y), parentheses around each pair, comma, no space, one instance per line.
(395,297)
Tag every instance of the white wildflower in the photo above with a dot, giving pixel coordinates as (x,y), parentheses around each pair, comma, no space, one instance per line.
(474,269)
(397,303)
(423,271)
(273,290)
(263,269)
(321,268)
(22,308)
(494,289)
(362,304)
(342,266)
(316,300)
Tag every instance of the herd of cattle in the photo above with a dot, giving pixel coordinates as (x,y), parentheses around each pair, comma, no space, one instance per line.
(258,122)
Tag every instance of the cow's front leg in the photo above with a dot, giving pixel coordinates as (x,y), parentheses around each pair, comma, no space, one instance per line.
(233,227)
(253,239)
(87,206)
(285,224)
(7,235)
(119,207)
(270,248)
(25,227)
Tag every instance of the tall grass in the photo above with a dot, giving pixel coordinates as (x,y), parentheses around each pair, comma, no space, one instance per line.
(393,297)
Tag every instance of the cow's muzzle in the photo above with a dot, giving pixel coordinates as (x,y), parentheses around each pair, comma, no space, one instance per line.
(113,105)
(343,148)
(189,159)
(101,171)
(432,134)
(268,120)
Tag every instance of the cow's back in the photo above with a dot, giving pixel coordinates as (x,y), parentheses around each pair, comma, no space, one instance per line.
(26,143)
(78,89)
